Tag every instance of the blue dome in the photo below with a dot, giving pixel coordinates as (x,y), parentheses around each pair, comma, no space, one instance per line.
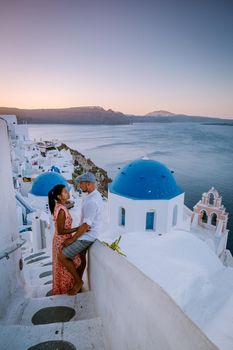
(55,169)
(45,182)
(145,179)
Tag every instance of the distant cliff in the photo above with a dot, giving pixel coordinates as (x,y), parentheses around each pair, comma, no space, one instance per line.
(76,115)
(98,115)
(177,119)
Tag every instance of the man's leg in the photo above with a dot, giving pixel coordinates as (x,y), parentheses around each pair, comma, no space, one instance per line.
(69,265)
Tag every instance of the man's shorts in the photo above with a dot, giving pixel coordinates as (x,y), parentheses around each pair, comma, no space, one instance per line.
(75,248)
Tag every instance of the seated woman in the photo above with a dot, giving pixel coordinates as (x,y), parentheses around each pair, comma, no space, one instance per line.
(62,280)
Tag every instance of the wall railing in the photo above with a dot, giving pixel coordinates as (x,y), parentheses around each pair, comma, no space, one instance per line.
(6,252)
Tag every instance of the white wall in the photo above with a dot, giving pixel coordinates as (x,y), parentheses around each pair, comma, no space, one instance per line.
(21,131)
(135,311)
(179,201)
(135,213)
(9,269)
(9,118)
(11,122)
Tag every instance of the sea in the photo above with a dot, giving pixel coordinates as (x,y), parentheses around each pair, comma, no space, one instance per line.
(201,155)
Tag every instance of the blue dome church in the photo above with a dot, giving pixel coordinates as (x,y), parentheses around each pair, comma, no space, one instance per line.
(46,181)
(144,196)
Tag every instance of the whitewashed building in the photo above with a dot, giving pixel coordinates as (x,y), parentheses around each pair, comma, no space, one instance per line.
(144,196)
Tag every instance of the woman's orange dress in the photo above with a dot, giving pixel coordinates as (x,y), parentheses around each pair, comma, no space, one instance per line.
(62,279)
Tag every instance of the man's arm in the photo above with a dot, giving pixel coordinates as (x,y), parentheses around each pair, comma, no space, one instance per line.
(81,230)
(89,213)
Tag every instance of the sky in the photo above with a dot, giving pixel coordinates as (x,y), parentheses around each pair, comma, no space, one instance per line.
(128,55)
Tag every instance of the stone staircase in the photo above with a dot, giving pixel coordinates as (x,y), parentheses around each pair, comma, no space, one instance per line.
(44,322)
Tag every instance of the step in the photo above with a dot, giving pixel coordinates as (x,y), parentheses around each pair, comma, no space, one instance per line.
(83,335)
(41,291)
(45,290)
(35,261)
(59,308)
(39,261)
(35,271)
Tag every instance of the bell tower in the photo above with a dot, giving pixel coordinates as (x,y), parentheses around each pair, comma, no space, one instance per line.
(209,215)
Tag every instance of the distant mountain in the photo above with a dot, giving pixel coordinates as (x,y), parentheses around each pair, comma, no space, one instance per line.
(178,118)
(74,115)
(160,114)
(98,115)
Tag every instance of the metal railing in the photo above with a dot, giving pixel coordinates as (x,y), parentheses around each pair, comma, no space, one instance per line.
(6,252)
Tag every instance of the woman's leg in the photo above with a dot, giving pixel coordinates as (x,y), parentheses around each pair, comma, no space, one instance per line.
(69,265)
(82,267)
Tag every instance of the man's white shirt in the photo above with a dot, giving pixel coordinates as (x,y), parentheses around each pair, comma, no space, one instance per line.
(91,214)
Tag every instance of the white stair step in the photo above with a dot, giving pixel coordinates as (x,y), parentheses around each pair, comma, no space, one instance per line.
(35,272)
(40,291)
(84,335)
(22,313)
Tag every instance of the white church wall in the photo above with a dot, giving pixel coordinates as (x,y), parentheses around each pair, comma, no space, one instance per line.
(163,326)
(115,203)
(187,218)
(9,268)
(136,210)
(222,244)
(179,202)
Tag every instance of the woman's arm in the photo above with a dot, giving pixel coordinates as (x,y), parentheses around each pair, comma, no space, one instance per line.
(61,217)
(79,232)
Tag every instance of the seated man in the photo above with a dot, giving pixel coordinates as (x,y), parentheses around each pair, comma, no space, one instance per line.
(86,234)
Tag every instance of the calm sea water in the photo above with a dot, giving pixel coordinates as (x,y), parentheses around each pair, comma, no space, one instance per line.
(200,155)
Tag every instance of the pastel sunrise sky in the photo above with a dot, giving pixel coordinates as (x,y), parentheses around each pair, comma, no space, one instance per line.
(128,55)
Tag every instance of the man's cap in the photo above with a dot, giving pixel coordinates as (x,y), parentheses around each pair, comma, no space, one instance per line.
(86,177)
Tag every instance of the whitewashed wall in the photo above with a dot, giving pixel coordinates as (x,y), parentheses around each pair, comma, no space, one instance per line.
(135,213)
(136,312)
(11,122)
(9,269)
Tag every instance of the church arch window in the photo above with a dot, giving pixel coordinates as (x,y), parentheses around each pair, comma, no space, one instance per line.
(204,217)
(214,219)
(150,220)
(211,198)
(122,216)
(174,216)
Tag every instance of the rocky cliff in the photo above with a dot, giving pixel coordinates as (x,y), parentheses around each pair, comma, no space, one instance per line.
(83,164)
